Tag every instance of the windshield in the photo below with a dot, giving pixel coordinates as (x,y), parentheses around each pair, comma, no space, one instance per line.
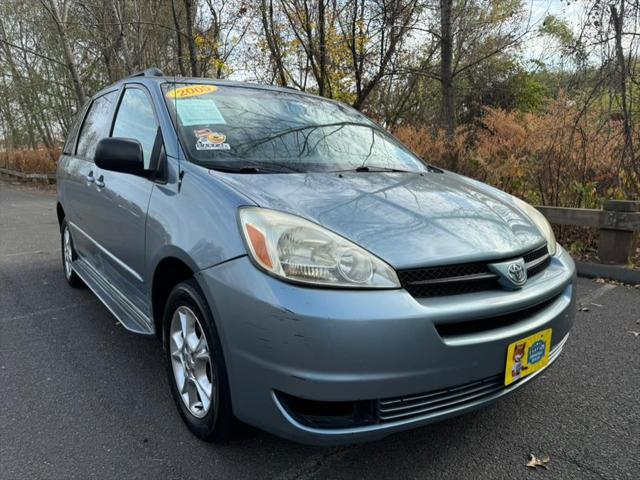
(232,127)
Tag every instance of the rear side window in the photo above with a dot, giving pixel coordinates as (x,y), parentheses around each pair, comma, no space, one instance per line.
(95,125)
(73,132)
(135,119)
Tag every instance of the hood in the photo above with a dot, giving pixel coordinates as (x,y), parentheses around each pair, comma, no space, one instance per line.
(408,220)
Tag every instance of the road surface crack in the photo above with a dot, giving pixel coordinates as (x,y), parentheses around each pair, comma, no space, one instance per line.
(314,463)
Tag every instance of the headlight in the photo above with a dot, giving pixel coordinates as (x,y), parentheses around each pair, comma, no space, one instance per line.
(541,222)
(300,251)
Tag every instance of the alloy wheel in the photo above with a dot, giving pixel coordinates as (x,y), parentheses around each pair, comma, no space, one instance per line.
(68,253)
(191,362)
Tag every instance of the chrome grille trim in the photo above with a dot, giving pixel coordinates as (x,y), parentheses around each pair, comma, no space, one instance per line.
(418,418)
(460,278)
(393,409)
(537,261)
(440,399)
(465,277)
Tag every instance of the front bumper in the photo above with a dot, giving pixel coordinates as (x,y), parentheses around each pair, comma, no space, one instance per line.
(340,345)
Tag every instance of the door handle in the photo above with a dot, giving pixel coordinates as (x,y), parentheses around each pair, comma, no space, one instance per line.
(100,181)
(90,178)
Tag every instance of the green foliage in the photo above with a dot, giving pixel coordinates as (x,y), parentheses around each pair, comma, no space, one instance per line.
(529,94)
(557,29)
(577,246)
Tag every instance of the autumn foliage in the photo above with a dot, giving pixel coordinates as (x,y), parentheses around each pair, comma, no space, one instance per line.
(40,160)
(562,157)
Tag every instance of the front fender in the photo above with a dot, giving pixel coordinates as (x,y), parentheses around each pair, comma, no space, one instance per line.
(194,221)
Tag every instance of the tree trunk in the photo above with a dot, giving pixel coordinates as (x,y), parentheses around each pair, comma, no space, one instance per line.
(273,42)
(126,53)
(356,52)
(176,25)
(448,119)
(448,114)
(24,95)
(322,49)
(8,127)
(628,149)
(191,41)
(81,97)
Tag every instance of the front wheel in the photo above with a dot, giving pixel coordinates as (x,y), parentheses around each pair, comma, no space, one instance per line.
(68,256)
(195,364)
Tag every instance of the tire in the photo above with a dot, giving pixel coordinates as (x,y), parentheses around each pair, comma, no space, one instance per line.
(186,361)
(68,256)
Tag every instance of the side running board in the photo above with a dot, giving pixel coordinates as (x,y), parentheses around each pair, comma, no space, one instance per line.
(131,317)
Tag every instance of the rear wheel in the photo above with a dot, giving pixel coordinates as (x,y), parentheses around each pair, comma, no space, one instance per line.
(68,256)
(195,365)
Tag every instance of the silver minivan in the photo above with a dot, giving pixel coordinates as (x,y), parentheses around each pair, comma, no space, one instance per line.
(305,272)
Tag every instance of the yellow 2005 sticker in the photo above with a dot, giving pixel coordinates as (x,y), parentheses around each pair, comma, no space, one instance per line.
(191,91)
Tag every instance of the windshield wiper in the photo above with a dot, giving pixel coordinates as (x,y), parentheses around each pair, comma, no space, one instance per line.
(230,169)
(253,168)
(367,168)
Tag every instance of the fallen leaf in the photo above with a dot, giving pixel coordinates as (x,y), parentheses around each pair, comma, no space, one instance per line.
(583,309)
(535,462)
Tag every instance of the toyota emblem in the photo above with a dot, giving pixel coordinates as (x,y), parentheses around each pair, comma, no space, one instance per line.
(517,274)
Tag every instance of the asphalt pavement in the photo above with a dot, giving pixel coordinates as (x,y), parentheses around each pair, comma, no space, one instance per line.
(81,397)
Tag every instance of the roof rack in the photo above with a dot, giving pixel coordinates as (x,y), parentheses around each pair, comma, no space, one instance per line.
(149,72)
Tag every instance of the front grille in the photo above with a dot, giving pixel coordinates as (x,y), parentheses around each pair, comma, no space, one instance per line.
(361,413)
(465,277)
(439,401)
(392,409)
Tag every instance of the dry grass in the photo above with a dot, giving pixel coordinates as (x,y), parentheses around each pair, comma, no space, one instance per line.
(30,161)
(560,158)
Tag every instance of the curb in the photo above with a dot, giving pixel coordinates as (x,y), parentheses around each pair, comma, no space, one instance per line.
(47,177)
(618,273)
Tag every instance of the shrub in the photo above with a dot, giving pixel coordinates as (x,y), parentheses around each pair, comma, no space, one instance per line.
(559,158)
(40,160)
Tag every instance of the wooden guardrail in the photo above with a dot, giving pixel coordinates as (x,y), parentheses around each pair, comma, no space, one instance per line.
(47,177)
(618,222)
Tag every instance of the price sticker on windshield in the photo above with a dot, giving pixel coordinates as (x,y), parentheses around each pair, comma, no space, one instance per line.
(199,111)
(191,91)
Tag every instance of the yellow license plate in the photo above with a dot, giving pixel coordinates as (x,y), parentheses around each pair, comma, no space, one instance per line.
(527,356)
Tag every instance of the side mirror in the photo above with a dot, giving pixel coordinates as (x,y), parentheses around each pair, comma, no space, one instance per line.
(120,155)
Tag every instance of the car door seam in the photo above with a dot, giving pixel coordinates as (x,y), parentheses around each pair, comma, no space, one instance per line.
(130,270)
